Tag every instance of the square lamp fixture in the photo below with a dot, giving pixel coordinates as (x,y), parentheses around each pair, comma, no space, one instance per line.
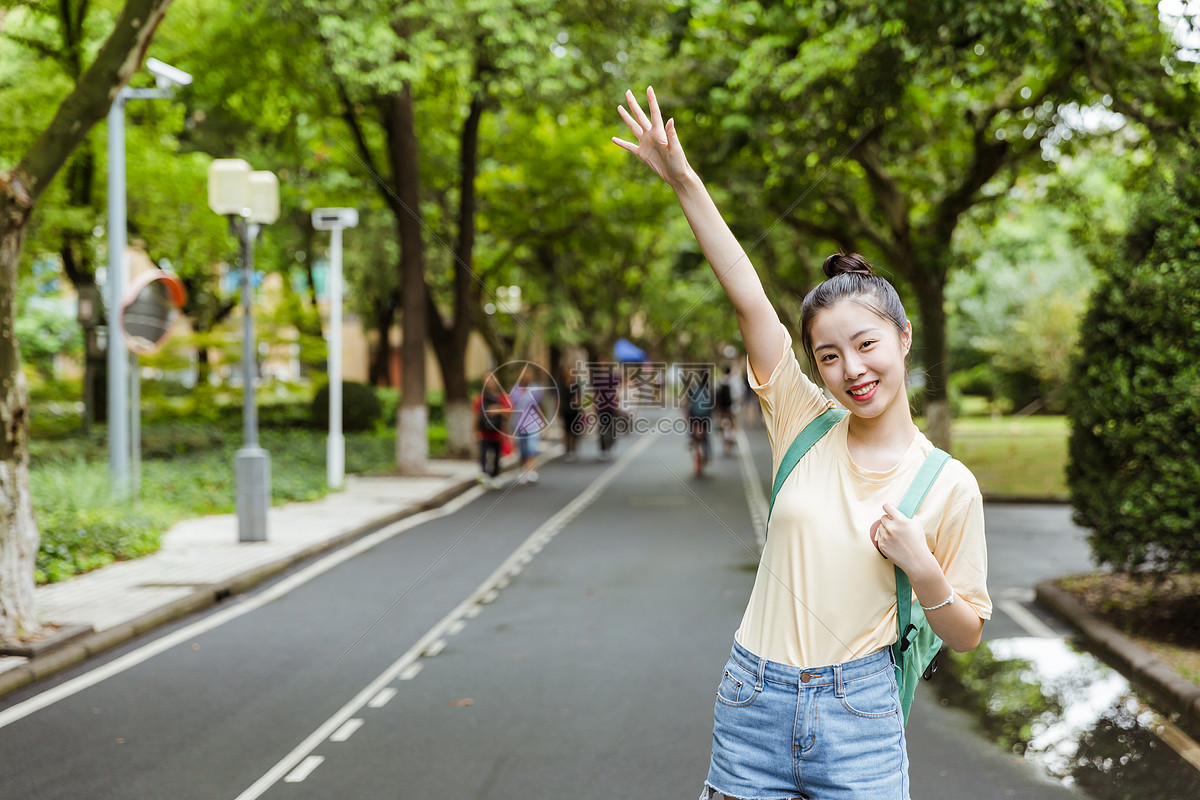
(229,186)
(264,197)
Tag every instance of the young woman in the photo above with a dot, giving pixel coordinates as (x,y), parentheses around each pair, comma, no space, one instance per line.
(808,705)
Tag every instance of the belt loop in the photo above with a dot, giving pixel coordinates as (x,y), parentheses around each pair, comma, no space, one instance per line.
(839,689)
(762,668)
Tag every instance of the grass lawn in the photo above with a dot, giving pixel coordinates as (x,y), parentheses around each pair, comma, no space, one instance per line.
(1014,457)
(187,471)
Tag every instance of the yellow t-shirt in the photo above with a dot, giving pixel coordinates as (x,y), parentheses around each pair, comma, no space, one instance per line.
(823,593)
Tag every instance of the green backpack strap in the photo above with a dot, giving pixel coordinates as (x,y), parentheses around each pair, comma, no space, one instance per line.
(911,501)
(803,442)
(911,623)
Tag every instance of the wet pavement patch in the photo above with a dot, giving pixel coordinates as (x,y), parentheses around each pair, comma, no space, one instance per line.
(1064,710)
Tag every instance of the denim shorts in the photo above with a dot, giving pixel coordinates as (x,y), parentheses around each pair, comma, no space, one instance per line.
(528,444)
(818,733)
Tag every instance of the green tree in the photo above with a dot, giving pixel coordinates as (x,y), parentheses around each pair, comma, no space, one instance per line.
(1135,397)
(48,45)
(878,126)
(20,187)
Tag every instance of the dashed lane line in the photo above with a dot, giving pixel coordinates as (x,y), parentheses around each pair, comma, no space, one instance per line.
(304,769)
(382,697)
(291,763)
(346,731)
(215,620)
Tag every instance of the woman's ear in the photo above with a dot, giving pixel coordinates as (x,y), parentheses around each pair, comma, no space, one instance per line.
(906,338)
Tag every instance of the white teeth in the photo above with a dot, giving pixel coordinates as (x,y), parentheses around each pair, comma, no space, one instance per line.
(864,390)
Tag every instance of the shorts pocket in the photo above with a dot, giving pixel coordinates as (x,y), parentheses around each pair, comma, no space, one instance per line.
(874,696)
(737,687)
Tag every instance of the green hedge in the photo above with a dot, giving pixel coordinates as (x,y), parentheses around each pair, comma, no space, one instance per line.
(361,409)
(1135,399)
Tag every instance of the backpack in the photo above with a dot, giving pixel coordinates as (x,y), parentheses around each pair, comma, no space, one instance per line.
(917,646)
(492,422)
(700,402)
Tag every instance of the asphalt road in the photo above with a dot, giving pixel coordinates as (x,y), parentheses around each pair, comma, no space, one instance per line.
(550,641)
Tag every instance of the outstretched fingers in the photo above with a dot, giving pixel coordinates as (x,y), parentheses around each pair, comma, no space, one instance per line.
(656,120)
(638,114)
(636,129)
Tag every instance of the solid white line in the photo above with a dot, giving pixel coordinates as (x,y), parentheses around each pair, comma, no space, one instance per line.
(1026,619)
(547,530)
(213,621)
(381,697)
(346,731)
(752,485)
(304,770)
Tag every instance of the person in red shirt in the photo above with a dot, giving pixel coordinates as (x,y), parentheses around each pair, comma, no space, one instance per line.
(492,408)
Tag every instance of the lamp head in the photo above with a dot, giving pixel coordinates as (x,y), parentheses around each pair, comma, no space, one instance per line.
(264,197)
(229,186)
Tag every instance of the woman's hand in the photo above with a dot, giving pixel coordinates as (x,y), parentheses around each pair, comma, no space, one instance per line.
(657,146)
(902,540)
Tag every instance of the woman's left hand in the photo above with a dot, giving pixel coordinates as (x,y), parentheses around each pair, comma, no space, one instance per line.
(901,539)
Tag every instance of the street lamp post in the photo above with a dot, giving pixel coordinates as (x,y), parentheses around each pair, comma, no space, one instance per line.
(335,220)
(250,200)
(119,444)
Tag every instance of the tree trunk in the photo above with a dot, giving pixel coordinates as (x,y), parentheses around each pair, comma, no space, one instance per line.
(450,342)
(412,423)
(18,530)
(934,355)
(118,58)
(380,373)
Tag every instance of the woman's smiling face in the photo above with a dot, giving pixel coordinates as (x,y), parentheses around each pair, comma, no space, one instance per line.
(860,356)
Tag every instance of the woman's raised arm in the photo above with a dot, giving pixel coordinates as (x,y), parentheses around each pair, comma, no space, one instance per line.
(658,146)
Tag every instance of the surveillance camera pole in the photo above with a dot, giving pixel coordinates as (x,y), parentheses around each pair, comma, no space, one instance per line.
(119,359)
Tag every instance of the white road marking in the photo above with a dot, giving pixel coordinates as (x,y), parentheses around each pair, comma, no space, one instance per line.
(377,687)
(752,485)
(346,731)
(213,621)
(305,769)
(381,698)
(1026,619)
(456,628)
(435,647)
(411,671)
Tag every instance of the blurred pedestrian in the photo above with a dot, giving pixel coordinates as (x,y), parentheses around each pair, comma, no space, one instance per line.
(725,416)
(491,408)
(606,386)
(528,420)
(808,704)
(698,403)
(570,407)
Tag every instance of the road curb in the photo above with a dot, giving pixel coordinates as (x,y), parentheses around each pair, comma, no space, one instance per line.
(89,645)
(1135,662)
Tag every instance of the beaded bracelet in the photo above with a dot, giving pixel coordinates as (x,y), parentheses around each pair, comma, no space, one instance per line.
(948,601)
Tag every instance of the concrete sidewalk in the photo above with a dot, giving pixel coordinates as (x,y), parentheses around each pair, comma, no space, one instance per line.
(201,563)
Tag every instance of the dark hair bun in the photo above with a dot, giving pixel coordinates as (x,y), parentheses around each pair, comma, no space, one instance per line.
(840,264)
